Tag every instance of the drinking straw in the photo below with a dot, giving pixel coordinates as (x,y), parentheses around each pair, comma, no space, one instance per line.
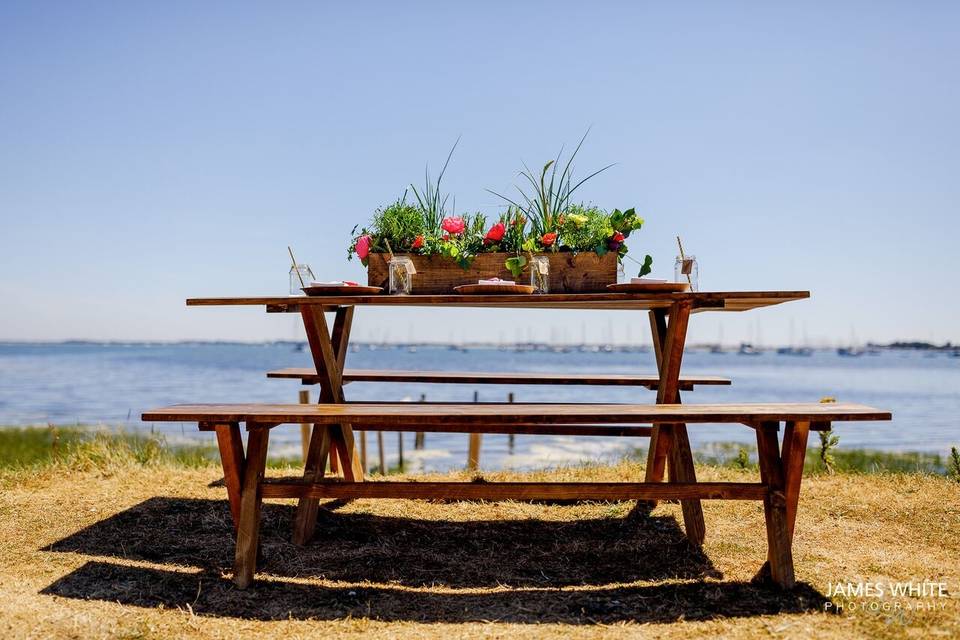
(683,258)
(295,268)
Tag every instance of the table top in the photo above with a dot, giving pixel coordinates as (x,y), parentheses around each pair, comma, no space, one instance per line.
(715,300)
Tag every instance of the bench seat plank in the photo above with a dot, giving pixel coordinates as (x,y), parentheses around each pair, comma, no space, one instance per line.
(650,381)
(296,488)
(426,416)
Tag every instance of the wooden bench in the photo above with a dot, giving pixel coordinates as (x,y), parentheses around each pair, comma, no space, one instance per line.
(780,468)
(650,381)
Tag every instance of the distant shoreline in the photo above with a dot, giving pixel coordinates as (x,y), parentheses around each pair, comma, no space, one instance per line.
(899,345)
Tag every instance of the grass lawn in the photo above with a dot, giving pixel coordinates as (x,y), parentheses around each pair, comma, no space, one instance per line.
(123,544)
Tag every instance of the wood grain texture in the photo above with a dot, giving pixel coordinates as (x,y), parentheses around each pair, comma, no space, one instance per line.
(793,454)
(305,519)
(569,272)
(427,415)
(232,460)
(661,436)
(248,532)
(276,489)
(603,430)
(779,553)
(718,300)
(650,381)
(669,343)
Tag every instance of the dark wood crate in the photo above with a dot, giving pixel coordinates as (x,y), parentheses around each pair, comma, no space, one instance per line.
(569,272)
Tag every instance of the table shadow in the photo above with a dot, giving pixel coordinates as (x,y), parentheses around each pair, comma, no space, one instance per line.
(356,547)
(210,594)
(539,570)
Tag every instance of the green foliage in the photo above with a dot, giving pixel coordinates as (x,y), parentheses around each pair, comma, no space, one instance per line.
(742,461)
(433,203)
(516,265)
(89,449)
(549,193)
(646,266)
(954,466)
(547,220)
(584,228)
(828,442)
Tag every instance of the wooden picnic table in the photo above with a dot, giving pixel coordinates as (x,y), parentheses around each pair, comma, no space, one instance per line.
(668,315)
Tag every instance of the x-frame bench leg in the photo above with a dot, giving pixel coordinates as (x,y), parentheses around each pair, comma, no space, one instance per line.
(248,529)
(232,460)
(775,510)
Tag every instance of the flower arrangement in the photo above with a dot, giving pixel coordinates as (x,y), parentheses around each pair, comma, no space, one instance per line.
(543,219)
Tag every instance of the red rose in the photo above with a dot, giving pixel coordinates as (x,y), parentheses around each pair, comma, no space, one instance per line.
(548,239)
(495,234)
(417,243)
(618,237)
(453,225)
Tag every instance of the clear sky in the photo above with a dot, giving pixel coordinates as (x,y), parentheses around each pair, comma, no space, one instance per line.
(154,151)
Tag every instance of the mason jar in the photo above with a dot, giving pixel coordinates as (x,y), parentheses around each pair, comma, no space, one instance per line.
(300,276)
(540,274)
(401,276)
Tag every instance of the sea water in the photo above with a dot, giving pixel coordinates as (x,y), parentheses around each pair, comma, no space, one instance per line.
(111,384)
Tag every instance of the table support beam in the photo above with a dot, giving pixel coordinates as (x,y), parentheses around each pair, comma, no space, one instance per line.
(670,441)
(327,442)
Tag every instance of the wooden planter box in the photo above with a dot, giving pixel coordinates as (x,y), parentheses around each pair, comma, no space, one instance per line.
(569,272)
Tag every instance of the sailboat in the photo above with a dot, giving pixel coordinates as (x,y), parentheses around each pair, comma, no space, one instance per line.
(748,348)
(718,348)
(852,351)
(794,350)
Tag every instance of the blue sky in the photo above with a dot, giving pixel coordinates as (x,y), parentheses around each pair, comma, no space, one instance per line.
(154,151)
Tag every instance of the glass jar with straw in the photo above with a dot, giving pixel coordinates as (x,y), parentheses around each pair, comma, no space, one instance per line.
(300,275)
(686,269)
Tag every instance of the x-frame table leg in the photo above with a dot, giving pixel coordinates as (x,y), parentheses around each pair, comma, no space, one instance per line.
(329,355)
(670,441)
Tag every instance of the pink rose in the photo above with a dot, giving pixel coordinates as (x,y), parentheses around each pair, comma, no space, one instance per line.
(453,225)
(363,247)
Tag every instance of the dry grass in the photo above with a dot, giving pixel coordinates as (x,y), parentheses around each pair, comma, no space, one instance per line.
(144,552)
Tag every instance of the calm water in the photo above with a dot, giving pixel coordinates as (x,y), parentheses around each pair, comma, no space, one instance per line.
(112,384)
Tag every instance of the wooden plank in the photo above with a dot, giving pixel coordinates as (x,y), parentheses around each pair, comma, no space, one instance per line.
(275,489)
(793,454)
(604,430)
(248,532)
(304,398)
(650,381)
(682,471)
(473,451)
(305,520)
(324,357)
(661,436)
(779,554)
(728,300)
(232,460)
(569,272)
(428,416)
(669,361)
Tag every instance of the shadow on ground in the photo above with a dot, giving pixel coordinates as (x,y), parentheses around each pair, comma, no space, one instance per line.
(540,570)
